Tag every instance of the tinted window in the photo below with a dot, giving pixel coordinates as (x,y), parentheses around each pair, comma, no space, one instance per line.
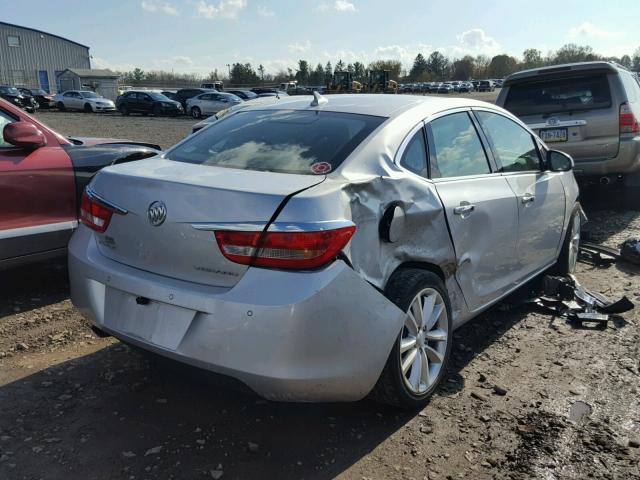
(559,95)
(414,157)
(279,141)
(513,145)
(457,148)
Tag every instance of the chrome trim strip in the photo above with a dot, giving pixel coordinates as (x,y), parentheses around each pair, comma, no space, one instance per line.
(274,227)
(105,203)
(38,229)
(560,124)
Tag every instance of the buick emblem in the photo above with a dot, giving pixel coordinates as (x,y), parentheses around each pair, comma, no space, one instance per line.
(553,121)
(157,213)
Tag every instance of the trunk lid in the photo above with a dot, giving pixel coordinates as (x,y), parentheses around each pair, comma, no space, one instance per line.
(192,194)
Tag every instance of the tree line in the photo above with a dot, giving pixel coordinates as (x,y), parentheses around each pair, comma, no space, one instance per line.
(435,67)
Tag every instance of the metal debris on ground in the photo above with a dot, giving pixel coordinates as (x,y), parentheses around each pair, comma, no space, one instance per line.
(566,297)
(603,256)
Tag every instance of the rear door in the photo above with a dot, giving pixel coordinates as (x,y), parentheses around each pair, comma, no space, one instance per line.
(540,194)
(480,208)
(576,114)
(37,197)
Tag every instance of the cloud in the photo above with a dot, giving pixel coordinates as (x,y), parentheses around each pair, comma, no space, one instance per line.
(179,62)
(474,42)
(338,6)
(265,12)
(589,30)
(102,63)
(159,7)
(223,9)
(299,47)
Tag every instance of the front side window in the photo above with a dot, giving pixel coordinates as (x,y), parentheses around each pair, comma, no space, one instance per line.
(5,119)
(457,149)
(414,157)
(286,141)
(513,145)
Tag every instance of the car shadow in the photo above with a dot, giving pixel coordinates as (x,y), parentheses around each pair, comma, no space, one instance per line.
(33,286)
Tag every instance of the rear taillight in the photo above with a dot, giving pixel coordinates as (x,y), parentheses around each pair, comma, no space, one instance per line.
(292,250)
(628,121)
(94,215)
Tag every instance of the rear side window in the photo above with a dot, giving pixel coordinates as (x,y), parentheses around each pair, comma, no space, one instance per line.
(414,157)
(286,141)
(630,86)
(513,145)
(457,148)
(556,95)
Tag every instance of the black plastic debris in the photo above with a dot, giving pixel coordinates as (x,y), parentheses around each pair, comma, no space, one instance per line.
(566,297)
(630,251)
(603,256)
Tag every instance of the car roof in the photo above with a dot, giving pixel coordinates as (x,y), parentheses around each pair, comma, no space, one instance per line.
(379,105)
(563,69)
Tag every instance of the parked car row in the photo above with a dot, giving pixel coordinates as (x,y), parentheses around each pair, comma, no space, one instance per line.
(453,86)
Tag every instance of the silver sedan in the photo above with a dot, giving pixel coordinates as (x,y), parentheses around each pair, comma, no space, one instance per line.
(324,249)
(211,103)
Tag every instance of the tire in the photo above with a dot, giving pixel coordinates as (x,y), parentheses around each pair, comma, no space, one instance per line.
(394,386)
(87,108)
(568,258)
(61,106)
(195,112)
(124,111)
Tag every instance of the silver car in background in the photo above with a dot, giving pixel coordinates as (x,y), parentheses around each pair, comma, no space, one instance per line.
(84,100)
(211,103)
(324,249)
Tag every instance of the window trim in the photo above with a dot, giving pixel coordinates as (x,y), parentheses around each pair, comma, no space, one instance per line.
(397,160)
(431,146)
(498,163)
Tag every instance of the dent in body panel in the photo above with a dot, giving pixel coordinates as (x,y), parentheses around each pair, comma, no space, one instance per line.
(363,199)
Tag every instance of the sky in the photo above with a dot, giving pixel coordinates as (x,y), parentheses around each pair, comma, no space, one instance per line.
(198,36)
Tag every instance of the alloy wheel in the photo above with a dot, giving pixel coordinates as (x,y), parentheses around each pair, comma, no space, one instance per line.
(423,343)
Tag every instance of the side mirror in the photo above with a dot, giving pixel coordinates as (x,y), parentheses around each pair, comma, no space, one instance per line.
(24,135)
(558,161)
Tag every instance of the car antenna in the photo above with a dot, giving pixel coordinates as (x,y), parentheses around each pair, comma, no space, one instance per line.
(318,99)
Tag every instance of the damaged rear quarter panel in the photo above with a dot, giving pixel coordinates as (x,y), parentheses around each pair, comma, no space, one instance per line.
(361,191)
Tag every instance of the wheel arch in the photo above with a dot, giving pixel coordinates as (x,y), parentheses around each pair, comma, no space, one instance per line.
(430,267)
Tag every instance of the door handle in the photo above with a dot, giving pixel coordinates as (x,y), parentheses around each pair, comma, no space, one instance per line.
(527,198)
(464,209)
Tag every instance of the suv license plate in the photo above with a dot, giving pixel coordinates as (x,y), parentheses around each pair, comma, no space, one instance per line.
(554,135)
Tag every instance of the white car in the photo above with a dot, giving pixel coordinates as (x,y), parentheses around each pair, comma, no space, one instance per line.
(211,103)
(84,100)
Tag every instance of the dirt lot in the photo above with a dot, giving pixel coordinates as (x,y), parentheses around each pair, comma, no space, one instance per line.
(528,395)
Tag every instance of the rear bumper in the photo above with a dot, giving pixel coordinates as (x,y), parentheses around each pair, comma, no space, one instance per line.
(290,336)
(627,161)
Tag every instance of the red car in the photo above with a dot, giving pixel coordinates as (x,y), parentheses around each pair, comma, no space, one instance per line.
(42,176)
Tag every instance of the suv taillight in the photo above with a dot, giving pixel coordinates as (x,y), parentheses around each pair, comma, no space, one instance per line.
(628,121)
(291,250)
(94,215)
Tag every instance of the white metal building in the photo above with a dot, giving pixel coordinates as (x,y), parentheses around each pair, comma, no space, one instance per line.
(104,82)
(32,58)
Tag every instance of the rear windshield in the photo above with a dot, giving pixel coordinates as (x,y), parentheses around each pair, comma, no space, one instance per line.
(559,95)
(286,141)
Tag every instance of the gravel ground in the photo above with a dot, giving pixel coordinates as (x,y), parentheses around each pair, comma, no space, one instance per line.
(527,395)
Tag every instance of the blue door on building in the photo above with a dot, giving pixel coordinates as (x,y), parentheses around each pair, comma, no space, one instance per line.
(44,80)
